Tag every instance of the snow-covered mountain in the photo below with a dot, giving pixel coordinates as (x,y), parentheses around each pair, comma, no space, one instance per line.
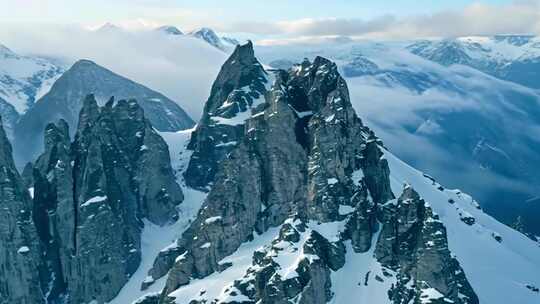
(303,204)
(511,57)
(25,79)
(429,244)
(170,30)
(451,114)
(208,35)
(65,99)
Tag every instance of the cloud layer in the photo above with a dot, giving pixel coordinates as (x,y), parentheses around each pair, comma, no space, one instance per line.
(183,68)
(475,19)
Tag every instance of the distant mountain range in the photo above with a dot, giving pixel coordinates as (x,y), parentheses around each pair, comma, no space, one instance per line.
(206,34)
(25,79)
(35,91)
(510,57)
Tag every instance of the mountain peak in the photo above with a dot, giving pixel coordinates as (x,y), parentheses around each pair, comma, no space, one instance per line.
(84,63)
(67,97)
(5,51)
(237,93)
(202,30)
(517,40)
(108,27)
(243,52)
(208,35)
(170,30)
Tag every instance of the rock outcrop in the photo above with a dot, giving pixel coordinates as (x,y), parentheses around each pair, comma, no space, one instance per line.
(413,242)
(20,250)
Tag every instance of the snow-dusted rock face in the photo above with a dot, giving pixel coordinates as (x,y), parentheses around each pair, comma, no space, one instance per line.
(207,34)
(65,100)
(20,250)
(236,95)
(170,30)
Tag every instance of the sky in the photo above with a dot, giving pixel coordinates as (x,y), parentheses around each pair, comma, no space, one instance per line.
(288,19)
(73,11)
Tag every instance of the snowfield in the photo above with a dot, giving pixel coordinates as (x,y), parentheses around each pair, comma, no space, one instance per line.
(25,79)
(498,272)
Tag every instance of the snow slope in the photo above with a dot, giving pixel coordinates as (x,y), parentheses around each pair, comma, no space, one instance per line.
(498,272)
(25,79)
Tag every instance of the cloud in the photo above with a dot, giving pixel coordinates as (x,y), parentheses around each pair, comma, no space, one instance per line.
(182,68)
(518,17)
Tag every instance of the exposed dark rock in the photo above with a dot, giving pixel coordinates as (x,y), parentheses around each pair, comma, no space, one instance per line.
(28,175)
(90,197)
(237,93)
(413,242)
(54,208)
(304,152)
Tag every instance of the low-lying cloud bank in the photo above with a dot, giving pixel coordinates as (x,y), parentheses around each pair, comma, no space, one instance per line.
(518,17)
(183,68)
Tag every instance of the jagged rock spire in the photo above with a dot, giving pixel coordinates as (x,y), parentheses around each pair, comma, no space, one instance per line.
(89,113)
(237,93)
(303,152)
(413,242)
(54,213)
(304,157)
(92,195)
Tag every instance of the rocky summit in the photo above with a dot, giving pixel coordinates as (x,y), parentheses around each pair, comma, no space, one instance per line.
(280,195)
(297,156)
